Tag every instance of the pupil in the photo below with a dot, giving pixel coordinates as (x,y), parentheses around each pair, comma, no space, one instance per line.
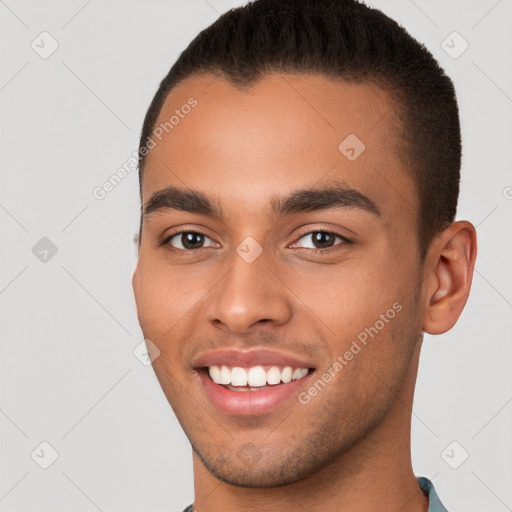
(323,239)
(190,240)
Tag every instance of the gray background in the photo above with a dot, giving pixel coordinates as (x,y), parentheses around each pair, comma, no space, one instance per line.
(68,374)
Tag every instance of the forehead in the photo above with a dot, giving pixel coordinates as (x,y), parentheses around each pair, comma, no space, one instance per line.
(284,133)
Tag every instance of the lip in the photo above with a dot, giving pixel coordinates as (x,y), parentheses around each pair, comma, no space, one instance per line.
(250,403)
(247,358)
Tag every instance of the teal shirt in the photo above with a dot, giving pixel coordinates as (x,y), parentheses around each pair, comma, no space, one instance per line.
(434,503)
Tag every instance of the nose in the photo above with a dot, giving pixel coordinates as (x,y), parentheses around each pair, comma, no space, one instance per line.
(250,294)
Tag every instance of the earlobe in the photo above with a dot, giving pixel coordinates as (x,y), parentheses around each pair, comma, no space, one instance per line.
(451,264)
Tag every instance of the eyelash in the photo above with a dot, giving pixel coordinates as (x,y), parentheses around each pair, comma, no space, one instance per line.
(327,250)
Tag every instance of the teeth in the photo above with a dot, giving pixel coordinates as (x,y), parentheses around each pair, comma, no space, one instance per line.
(225,375)
(238,377)
(255,376)
(215,373)
(286,375)
(298,373)
(274,375)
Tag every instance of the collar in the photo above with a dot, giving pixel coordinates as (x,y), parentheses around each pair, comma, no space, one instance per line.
(434,503)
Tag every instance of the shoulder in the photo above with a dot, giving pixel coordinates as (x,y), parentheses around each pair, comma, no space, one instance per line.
(434,503)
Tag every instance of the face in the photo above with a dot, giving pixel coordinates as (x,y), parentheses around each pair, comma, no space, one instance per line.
(279,242)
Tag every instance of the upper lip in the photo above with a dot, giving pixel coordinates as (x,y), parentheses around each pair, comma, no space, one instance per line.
(247,358)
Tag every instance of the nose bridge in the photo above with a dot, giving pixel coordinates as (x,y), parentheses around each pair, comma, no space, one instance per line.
(249,293)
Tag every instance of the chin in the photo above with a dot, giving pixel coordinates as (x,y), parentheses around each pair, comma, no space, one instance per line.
(254,470)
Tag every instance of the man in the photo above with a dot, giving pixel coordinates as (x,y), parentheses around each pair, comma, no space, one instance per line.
(299,175)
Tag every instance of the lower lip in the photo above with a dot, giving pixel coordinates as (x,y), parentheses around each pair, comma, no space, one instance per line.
(250,403)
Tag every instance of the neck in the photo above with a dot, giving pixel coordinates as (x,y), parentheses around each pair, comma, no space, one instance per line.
(375,474)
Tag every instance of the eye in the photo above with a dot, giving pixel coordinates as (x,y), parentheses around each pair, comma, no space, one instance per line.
(188,240)
(319,240)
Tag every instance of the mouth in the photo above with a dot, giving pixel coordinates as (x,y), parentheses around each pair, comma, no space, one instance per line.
(251,383)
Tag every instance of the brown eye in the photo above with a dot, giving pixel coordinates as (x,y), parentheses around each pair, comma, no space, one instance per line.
(188,240)
(320,240)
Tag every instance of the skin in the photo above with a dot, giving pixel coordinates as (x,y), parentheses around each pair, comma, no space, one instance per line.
(349,447)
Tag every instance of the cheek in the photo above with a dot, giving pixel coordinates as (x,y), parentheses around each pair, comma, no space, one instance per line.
(165,295)
(370,316)
(350,297)
(373,362)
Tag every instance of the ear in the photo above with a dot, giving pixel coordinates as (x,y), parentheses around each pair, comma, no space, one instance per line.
(135,294)
(448,273)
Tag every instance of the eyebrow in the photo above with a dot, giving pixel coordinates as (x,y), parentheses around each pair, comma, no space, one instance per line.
(300,201)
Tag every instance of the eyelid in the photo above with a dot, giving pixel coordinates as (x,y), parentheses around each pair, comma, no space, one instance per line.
(323,230)
(167,238)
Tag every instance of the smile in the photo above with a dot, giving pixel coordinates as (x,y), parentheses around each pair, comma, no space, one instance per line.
(251,382)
